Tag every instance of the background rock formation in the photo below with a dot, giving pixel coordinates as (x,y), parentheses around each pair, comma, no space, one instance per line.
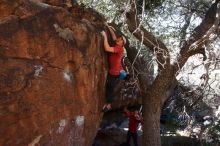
(52,74)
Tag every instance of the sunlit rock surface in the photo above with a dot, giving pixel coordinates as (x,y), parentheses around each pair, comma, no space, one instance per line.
(52,76)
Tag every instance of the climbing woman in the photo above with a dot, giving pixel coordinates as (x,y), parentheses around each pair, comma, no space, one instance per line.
(115,68)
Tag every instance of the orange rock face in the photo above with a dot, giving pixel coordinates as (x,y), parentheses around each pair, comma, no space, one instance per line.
(52,76)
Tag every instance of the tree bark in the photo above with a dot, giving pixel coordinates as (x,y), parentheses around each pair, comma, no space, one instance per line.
(151,126)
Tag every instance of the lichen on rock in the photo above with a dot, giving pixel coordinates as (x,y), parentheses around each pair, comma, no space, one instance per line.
(65,33)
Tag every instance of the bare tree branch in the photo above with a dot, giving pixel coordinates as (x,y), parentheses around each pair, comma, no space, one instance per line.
(154,44)
(200,34)
(187,18)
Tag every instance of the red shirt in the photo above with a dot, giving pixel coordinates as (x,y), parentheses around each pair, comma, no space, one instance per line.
(114,60)
(133,122)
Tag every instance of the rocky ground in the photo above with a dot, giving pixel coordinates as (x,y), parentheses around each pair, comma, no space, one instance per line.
(113,132)
(116,137)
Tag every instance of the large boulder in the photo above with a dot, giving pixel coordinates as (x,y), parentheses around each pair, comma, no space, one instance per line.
(52,76)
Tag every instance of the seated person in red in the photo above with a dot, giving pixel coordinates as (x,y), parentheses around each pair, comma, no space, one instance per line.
(114,59)
(134,120)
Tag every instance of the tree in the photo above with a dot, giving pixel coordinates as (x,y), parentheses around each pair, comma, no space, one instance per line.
(155,94)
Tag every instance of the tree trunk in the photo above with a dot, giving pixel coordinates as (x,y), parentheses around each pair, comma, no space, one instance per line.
(151,115)
(153,99)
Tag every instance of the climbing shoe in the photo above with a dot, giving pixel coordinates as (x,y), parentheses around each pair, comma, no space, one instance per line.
(106,108)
